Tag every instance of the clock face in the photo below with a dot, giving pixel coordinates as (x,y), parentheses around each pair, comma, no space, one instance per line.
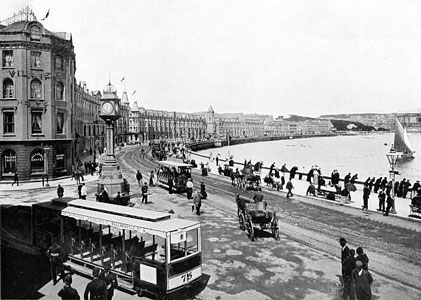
(107,108)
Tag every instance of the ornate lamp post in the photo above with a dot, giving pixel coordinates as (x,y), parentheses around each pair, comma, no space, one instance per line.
(392,157)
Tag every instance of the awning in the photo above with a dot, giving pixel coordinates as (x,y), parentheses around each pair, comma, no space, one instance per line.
(162,228)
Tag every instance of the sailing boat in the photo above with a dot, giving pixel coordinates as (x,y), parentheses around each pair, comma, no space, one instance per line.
(402,143)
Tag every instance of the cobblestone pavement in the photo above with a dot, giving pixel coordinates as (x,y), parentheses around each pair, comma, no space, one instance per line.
(303,264)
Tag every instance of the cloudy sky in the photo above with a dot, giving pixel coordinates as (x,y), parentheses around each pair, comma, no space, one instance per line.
(307,57)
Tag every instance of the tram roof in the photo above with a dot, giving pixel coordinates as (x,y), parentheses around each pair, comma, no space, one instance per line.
(124,211)
(162,228)
(175,164)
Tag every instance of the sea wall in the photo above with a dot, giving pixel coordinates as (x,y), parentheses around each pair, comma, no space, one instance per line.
(197,146)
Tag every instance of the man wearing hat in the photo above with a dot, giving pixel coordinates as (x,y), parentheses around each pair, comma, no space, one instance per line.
(110,280)
(344,254)
(96,289)
(67,292)
(145,192)
(363,280)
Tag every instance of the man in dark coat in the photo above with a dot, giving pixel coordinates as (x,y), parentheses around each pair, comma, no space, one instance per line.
(96,289)
(390,200)
(16,179)
(54,254)
(292,172)
(377,184)
(110,280)
(363,280)
(349,267)
(67,292)
(344,254)
(145,193)
(138,177)
(366,195)
(371,184)
(347,179)
(383,183)
(289,187)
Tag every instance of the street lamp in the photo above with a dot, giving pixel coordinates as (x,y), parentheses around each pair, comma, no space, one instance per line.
(392,157)
(46,151)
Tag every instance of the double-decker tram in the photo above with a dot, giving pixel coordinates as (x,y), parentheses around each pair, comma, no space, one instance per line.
(177,171)
(151,252)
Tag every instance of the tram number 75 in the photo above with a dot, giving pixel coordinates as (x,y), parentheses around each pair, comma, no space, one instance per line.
(186,277)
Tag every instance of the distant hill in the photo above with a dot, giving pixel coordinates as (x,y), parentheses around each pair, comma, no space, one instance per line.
(342,125)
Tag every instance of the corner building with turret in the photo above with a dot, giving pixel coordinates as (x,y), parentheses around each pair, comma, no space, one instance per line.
(36,101)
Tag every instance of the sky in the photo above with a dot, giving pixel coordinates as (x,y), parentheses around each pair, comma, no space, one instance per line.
(306,57)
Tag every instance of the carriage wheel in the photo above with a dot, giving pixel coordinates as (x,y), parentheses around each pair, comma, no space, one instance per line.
(275,229)
(250,229)
(242,222)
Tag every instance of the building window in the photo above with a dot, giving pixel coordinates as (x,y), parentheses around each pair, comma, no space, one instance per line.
(36,121)
(8,122)
(9,161)
(8,88)
(36,89)
(60,123)
(8,59)
(35,33)
(37,161)
(60,158)
(35,59)
(59,63)
(59,91)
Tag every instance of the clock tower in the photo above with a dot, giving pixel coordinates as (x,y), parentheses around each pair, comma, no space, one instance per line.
(111,179)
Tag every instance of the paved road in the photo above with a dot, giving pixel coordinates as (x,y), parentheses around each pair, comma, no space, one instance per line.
(303,264)
(310,232)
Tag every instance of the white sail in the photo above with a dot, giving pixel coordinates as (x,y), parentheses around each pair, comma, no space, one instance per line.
(402,142)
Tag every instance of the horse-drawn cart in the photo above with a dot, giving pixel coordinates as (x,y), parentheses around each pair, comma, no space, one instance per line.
(251,214)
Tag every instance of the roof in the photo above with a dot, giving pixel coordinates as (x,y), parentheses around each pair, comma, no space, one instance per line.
(21,26)
(135,107)
(161,228)
(124,98)
(173,164)
(124,211)
(210,109)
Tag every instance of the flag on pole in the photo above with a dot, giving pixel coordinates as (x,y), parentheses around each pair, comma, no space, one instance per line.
(46,16)
(122,79)
(134,92)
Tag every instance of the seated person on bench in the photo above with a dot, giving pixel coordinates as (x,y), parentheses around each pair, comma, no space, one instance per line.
(311,190)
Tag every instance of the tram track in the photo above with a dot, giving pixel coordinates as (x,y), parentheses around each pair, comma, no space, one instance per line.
(390,260)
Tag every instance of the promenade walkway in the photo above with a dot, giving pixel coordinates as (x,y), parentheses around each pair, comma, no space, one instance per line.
(300,188)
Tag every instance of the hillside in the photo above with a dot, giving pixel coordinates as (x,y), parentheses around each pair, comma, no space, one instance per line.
(342,125)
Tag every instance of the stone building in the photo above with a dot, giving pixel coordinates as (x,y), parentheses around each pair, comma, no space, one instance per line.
(36,104)
(89,128)
(122,133)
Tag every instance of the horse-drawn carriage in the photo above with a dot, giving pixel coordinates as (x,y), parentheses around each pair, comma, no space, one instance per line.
(250,177)
(251,214)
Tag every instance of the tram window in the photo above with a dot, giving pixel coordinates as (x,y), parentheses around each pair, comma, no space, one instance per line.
(186,247)
(192,241)
(154,249)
